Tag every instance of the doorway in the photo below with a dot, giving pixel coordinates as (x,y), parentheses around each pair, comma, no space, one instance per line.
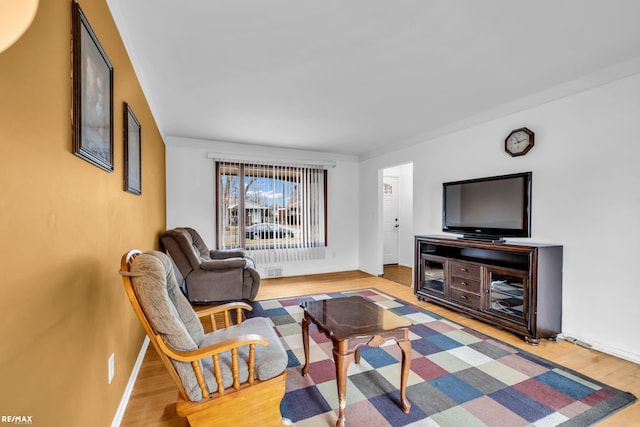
(390,219)
(397,223)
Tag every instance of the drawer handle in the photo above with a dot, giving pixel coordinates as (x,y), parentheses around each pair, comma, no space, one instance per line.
(463,283)
(464,270)
(463,297)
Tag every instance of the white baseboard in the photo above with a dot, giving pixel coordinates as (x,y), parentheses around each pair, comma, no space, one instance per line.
(617,352)
(132,380)
(612,351)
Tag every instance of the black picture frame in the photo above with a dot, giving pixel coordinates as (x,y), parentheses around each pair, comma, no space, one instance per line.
(132,152)
(92,112)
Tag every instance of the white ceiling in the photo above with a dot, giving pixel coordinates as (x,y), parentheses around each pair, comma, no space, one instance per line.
(362,76)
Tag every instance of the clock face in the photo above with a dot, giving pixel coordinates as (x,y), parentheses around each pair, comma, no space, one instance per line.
(519,142)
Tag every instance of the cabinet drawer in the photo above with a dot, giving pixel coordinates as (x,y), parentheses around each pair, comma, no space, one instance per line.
(466,284)
(466,298)
(464,269)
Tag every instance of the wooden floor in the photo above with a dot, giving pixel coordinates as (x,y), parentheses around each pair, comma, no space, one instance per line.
(398,273)
(153,399)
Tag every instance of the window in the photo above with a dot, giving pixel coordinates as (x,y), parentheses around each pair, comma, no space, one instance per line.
(276,212)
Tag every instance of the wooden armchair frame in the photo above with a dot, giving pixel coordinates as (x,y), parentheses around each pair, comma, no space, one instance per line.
(254,402)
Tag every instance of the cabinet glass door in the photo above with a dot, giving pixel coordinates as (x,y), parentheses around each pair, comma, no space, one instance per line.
(507,295)
(432,274)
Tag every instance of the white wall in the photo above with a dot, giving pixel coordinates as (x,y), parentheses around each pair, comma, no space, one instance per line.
(586,196)
(191,190)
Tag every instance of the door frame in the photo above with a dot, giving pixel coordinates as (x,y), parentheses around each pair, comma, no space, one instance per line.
(405,252)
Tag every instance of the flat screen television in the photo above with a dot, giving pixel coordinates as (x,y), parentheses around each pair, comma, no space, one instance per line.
(491,208)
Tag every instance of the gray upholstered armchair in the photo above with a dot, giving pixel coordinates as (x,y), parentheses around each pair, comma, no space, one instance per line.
(232,376)
(210,275)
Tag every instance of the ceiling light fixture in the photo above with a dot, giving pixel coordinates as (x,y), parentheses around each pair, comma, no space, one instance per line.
(15,18)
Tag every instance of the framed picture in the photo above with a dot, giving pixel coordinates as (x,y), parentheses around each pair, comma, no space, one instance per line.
(132,152)
(92,95)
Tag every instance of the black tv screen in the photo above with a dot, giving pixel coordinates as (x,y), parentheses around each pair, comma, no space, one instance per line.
(488,208)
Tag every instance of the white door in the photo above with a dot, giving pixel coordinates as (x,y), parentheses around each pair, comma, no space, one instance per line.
(390,224)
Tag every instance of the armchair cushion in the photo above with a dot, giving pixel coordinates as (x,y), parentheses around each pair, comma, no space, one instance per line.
(164,304)
(270,361)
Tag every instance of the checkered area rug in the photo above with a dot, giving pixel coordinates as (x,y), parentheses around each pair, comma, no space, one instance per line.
(458,377)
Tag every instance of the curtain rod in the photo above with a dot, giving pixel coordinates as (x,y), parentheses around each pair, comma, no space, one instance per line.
(263,159)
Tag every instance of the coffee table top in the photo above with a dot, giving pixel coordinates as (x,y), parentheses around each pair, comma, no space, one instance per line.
(351,317)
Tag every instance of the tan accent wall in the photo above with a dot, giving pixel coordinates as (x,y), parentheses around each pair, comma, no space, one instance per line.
(64,224)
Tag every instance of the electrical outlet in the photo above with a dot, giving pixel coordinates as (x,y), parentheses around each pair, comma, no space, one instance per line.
(112,367)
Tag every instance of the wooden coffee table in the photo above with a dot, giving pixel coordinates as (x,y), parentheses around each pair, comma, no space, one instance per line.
(349,323)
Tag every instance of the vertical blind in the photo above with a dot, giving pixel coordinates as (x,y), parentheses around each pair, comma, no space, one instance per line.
(276,211)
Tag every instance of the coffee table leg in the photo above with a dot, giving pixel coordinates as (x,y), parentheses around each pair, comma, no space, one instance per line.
(305,344)
(405,346)
(342,361)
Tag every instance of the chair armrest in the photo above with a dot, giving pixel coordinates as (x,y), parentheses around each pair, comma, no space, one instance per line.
(211,350)
(220,264)
(227,253)
(226,310)
(224,307)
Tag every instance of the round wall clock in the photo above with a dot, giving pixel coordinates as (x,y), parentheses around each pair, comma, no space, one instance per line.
(519,142)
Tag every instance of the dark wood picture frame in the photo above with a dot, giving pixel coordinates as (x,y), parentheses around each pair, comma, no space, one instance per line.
(92,99)
(132,152)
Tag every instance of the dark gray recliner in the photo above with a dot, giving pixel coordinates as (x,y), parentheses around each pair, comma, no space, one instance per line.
(210,275)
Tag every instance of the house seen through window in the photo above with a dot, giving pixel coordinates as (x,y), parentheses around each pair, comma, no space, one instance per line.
(270,208)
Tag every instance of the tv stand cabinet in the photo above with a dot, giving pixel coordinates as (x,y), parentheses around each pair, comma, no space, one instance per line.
(514,286)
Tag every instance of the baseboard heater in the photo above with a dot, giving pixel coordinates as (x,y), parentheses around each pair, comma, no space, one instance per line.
(273,272)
